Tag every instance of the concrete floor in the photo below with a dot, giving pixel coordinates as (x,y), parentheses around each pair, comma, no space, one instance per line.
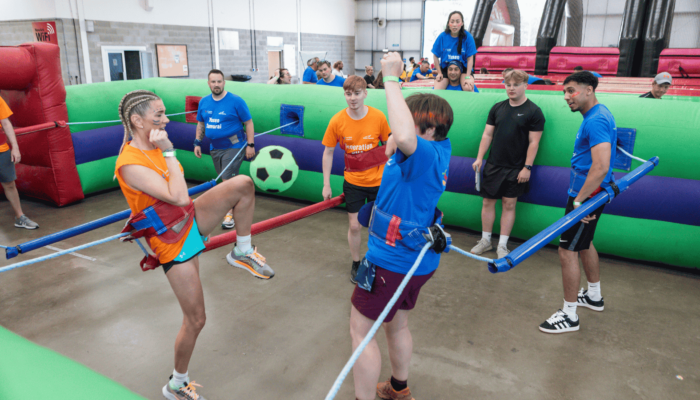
(475,334)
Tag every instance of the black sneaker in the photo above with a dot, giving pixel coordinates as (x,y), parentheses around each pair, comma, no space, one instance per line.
(559,322)
(585,301)
(353,272)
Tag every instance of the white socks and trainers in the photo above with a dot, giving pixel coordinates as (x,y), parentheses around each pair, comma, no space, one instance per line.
(594,291)
(486,235)
(570,310)
(179,380)
(243,243)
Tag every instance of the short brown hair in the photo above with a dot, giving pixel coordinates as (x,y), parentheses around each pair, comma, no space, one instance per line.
(354,83)
(507,70)
(431,111)
(318,64)
(337,64)
(516,75)
(216,71)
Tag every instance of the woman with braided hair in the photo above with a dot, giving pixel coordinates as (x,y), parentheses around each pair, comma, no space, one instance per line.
(151,177)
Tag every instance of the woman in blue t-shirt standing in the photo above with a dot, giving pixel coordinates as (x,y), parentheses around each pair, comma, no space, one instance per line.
(454,43)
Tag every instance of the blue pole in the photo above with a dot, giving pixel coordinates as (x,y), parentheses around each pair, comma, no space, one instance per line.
(538,241)
(12,252)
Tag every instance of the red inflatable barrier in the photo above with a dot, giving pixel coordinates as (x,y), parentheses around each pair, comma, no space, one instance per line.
(497,58)
(32,86)
(602,60)
(672,60)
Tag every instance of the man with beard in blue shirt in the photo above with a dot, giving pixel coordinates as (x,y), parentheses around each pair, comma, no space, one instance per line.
(591,172)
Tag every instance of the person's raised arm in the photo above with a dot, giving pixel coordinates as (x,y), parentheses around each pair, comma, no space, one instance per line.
(15,155)
(274,79)
(486,140)
(403,128)
(327,165)
(138,177)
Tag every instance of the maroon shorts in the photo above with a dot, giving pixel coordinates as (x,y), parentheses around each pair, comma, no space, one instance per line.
(371,304)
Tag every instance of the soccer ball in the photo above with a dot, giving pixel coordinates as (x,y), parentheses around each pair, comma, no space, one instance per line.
(274,169)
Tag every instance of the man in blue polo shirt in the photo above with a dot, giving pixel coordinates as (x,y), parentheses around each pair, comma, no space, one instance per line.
(414,179)
(423,72)
(224,118)
(310,77)
(454,73)
(591,172)
(327,77)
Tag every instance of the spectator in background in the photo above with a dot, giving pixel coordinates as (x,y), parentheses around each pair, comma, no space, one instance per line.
(411,66)
(338,69)
(424,72)
(327,77)
(454,72)
(484,71)
(580,68)
(310,77)
(513,131)
(282,77)
(379,82)
(9,156)
(659,87)
(455,43)
(369,76)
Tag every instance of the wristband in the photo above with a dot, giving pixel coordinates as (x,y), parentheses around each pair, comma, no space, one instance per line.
(391,79)
(169,153)
(577,203)
(251,145)
(197,142)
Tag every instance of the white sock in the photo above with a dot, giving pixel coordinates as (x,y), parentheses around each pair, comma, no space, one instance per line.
(486,235)
(503,240)
(179,380)
(594,291)
(243,243)
(570,310)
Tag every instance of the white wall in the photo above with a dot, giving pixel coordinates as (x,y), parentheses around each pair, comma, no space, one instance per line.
(336,17)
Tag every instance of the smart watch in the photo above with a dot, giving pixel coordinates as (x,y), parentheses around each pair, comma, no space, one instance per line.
(529,167)
(251,145)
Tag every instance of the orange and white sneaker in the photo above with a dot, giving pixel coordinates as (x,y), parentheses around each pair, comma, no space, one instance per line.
(386,392)
(187,392)
(251,261)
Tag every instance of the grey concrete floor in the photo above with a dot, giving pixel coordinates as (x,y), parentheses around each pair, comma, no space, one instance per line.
(475,334)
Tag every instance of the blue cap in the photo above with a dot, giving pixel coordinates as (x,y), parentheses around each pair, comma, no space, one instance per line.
(455,62)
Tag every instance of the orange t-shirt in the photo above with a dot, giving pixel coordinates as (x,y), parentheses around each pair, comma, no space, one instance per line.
(5,112)
(139,200)
(358,136)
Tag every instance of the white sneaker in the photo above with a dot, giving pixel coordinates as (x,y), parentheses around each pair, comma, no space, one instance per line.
(502,251)
(482,246)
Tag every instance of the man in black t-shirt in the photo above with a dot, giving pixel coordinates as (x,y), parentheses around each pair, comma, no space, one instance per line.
(513,131)
(659,86)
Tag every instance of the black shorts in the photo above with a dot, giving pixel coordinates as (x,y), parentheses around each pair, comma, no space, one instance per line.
(357,196)
(498,182)
(579,236)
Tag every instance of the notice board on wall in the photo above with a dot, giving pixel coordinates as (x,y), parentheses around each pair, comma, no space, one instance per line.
(172,60)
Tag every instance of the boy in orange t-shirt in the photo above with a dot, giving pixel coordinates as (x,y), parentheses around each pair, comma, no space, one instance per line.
(359,130)
(8,159)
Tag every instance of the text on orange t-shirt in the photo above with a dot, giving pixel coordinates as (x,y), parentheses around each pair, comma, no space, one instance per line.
(358,136)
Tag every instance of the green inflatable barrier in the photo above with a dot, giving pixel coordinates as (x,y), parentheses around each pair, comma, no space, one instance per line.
(31,372)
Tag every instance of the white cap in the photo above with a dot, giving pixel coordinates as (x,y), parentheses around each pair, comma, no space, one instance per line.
(663,77)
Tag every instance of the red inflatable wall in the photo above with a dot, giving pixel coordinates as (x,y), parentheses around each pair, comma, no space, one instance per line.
(603,60)
(497,58)
(673,60)
(32,86)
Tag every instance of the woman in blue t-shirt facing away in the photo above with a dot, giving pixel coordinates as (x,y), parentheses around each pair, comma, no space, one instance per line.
(454,43)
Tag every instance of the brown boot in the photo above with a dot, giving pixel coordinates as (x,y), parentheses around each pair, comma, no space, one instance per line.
(386,392)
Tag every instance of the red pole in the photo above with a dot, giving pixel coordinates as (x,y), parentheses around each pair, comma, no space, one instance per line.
(284,219)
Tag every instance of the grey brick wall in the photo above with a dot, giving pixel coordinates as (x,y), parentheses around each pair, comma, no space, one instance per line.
(197,39)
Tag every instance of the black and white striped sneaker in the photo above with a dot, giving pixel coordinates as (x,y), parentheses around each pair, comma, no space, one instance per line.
(584,301)
(559,322)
